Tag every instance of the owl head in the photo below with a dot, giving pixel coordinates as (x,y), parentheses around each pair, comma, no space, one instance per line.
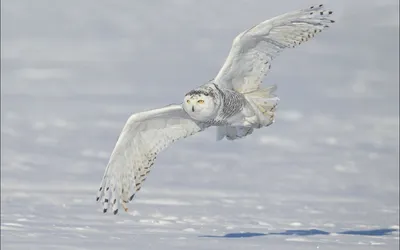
(201,105)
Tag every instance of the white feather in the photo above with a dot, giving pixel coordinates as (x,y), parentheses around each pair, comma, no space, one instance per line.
(252,51)
(144,135)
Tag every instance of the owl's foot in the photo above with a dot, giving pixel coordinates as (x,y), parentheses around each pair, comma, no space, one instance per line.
(125,207)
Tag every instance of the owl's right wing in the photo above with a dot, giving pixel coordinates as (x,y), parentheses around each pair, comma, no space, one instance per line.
(144,135)
(253,50)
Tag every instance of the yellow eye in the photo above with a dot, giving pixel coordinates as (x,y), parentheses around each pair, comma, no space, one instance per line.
(200,101)
(188,101)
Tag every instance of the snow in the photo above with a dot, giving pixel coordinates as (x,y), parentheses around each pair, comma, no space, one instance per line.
(324,176)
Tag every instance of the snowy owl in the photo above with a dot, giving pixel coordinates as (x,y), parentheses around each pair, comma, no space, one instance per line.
(234,102)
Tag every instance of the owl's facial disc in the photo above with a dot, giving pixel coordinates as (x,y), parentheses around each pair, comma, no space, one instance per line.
(199,106)
(199,101)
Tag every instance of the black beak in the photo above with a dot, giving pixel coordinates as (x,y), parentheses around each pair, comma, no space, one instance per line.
(192,108)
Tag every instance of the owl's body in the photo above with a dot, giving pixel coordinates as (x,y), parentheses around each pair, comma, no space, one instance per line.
(230,109)
(234,102)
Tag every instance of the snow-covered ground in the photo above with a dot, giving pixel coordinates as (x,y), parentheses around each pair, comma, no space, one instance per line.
(325,175)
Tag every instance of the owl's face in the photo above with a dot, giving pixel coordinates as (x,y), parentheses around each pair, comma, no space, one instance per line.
(199,106)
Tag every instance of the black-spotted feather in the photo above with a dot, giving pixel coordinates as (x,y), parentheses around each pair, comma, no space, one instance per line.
(144,136)
(253,50)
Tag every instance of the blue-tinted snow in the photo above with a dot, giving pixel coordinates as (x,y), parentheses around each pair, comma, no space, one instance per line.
(324,175)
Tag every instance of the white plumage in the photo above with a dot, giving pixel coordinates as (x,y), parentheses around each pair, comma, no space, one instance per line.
(233,101)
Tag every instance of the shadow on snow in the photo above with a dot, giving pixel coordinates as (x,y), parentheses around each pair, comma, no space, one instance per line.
(309,232)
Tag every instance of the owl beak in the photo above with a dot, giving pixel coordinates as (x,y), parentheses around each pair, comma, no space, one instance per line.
(192,108)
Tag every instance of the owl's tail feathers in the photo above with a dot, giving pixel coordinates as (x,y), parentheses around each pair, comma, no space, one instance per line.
(264,103)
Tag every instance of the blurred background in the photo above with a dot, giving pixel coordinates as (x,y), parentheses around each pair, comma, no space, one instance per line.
(72,72)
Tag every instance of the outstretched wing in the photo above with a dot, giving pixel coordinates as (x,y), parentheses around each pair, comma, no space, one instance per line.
(252,51)
(144,135)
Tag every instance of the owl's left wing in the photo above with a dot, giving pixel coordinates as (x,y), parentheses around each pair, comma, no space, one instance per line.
(144,135)
(253,50)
